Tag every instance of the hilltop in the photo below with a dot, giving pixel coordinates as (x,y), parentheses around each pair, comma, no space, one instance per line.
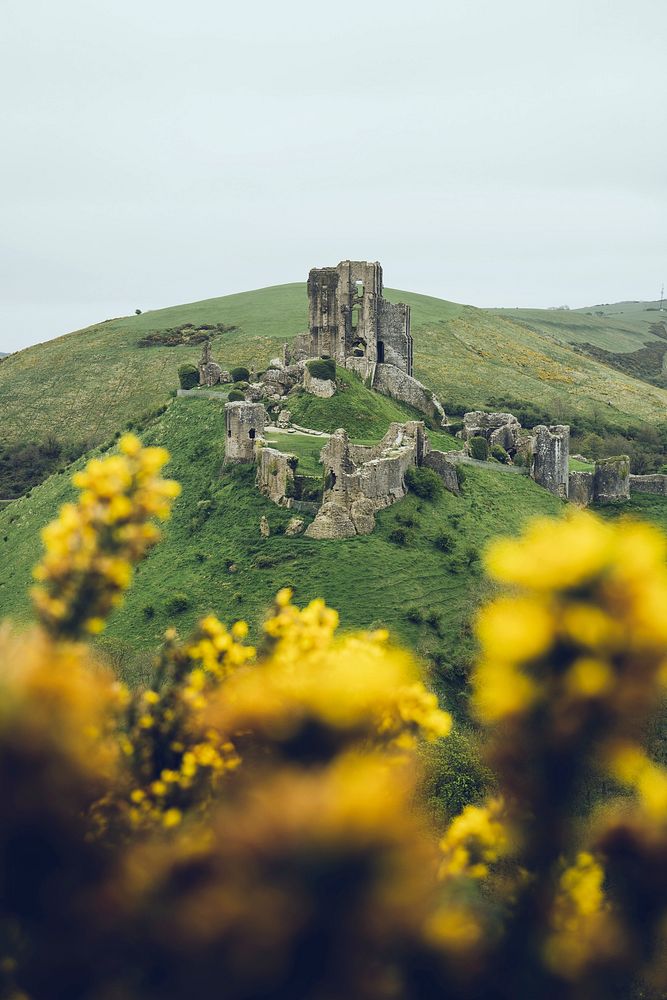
(82,387)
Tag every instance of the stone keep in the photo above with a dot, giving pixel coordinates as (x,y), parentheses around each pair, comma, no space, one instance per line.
(348,317)
(244,424)
(550,465)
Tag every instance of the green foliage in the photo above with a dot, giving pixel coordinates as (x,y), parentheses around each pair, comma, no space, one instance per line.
(188,376)
(444,541)
(399,536)
(235,396)
(424,483)
(414,615)
(240,374)
(499,453)
(322,368)
(454,774)
(479,448)
(177,604)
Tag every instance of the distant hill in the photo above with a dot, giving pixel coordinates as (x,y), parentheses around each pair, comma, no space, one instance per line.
(629,336)
(84,386)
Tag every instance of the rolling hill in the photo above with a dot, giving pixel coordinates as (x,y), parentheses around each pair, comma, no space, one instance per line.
(82,387)
(214,556)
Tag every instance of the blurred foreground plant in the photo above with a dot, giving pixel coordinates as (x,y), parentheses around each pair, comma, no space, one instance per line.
(253,824)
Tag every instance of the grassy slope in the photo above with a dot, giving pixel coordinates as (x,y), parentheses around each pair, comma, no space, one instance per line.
(623,328)
(85,385)
(371,580)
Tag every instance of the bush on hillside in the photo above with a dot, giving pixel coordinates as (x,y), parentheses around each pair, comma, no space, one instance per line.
(188,376)
(479,448)
(499,453)
(240,374)
(444,541)
(236,396)
(399,536)
(177,604)
(322,368)
(424,483)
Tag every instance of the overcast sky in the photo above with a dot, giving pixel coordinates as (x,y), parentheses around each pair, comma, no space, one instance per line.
(162,151)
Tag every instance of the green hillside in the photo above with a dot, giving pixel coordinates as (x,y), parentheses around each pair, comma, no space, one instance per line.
(80,388)
(213,555)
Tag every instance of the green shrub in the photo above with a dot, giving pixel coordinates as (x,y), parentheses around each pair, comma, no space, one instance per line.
(398,536)
(425,483)
(188,376)
(241,386)
(519,461)
(323,368)
(177,604)
(479,448)
(149,612)
(240,374)
(444,541)
(414,615)
(499,453)
(236,396)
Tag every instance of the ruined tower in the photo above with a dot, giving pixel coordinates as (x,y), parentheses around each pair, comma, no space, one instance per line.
(244,423)
(349,318)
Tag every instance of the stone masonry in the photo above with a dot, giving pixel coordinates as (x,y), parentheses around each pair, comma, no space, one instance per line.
(550,459)
(348,317)
(244,424)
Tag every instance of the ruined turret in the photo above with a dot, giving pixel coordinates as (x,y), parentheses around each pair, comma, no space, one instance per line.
(244,424)
(550,467)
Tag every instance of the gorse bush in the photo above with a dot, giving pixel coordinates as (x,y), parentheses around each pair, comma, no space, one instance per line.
(265,819)
(235,396)
(424,483)
(499,453)
(240,374)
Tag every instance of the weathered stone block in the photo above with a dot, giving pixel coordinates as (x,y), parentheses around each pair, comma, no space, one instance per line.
(612,479)
(437,460)
(295,526)
(581,488)
(322,387)
(551,458)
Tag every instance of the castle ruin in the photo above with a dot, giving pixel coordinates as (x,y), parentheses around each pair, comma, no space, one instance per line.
(348,317)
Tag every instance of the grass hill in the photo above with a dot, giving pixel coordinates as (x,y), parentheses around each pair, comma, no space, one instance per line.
(629,336)
(213,557)
(80,388)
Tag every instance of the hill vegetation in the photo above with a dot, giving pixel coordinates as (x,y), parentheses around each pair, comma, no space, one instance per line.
(419,571)
(94,381)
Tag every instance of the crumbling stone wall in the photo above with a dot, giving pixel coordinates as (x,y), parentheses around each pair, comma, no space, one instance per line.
(581,488)
(360,481)
(612,479)
(497,428)
(438,461)
(551,458)
(322,387)
(649,484)
(349,318)
(397,384)
(275,474)
(244,425)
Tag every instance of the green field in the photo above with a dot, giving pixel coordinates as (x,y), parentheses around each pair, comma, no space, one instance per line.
(82,387)
(214,554)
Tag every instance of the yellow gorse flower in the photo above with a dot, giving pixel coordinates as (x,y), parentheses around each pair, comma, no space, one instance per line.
(91,548)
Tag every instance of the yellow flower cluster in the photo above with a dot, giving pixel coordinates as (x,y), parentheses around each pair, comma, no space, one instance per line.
(177,759)
(590,596)
(631,767)
(93,545)
(475,839)
(582,924)
(314,682)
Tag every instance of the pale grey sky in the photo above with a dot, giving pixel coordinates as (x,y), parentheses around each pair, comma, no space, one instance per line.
(162,151)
